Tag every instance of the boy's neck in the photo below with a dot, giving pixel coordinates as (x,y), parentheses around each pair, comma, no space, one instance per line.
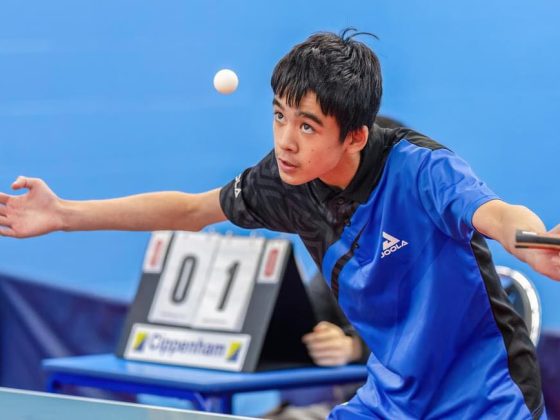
(345,172)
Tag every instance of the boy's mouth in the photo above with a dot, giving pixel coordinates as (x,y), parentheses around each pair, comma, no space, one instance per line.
(286,165)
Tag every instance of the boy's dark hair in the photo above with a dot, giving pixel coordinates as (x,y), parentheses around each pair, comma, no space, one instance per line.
(344,74)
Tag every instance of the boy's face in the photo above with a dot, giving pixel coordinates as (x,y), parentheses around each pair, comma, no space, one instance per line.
(307,144)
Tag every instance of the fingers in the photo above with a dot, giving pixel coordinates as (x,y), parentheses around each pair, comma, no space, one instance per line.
(546,262)
(321,326)
(325,340)
(19,183)
(7,231)
(5,225)
(337,351)
(555,229)
(329,358)
(555,260)
(24,182)
(321,335)
(327,353)
(4,198)
(317,337)
(328,362)
(326,345)
(324,325)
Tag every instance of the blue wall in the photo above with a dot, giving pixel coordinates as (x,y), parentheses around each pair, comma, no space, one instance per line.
(105,98)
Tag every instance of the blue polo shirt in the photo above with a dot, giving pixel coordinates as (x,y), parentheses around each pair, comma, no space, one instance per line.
(400,254)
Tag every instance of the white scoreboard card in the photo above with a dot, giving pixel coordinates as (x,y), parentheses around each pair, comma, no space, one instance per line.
(184,278)
(230,285)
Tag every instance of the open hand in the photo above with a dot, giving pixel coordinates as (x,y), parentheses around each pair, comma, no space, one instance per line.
(34,213)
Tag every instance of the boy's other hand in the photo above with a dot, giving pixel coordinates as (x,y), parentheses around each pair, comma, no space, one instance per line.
(328,345)
(34,213)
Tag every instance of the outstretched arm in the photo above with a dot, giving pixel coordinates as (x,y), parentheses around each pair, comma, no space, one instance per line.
(40,211)
(499,220)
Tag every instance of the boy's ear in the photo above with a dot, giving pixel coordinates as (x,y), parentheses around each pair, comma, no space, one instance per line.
(357,139)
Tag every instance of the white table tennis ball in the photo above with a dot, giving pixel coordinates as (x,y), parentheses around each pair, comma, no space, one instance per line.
(226,81)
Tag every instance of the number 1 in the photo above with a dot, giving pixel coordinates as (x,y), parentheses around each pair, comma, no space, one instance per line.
(232,272)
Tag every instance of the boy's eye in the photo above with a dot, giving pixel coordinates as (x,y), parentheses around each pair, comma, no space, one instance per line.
(306,128)
(278,116)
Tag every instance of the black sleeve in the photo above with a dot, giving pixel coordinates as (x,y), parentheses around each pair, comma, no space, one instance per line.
(256,198)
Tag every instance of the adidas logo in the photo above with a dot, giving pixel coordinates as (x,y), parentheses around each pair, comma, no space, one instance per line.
(391,244)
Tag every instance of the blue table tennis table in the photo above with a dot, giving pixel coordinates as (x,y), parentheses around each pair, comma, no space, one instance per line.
(28,405)
(208,390)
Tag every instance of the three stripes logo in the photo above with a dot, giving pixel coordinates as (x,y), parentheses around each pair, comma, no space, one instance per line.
(391,244)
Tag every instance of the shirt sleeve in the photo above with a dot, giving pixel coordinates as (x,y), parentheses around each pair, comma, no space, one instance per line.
(450,193)
(256,198)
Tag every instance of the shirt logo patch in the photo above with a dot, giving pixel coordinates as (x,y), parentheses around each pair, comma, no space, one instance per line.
(237,186)
(391,244)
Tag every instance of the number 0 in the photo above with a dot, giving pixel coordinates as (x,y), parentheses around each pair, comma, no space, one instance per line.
(181,288)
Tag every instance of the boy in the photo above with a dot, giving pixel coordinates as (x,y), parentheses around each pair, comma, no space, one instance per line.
(394,220)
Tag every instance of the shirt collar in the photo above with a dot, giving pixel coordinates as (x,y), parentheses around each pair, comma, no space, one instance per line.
(372,162)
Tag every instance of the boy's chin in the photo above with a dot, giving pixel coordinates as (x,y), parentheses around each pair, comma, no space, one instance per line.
(291,180)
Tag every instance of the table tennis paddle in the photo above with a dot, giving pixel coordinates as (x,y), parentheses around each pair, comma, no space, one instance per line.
(525,239)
